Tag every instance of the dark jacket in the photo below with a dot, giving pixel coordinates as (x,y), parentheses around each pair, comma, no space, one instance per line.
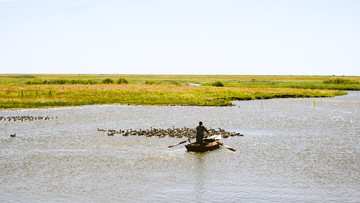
(200,134)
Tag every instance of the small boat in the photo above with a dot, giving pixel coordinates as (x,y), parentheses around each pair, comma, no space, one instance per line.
(210,143)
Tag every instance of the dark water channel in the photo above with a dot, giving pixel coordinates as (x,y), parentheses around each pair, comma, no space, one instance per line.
(292,151)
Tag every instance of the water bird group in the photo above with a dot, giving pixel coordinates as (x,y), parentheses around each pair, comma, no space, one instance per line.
(171,132)
(26,118)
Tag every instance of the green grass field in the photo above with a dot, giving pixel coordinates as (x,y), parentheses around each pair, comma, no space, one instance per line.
(38,91)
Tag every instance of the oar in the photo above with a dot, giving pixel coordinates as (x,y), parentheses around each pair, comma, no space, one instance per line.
(227,147)
(182,142)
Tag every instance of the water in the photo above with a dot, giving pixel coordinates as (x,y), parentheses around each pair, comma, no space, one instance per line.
(291,152)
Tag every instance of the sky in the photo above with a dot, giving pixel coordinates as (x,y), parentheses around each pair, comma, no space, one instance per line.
(213,37)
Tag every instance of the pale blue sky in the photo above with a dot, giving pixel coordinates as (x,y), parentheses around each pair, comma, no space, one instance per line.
(297,37)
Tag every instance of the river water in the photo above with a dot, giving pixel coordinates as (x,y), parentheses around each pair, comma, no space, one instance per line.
(291,151)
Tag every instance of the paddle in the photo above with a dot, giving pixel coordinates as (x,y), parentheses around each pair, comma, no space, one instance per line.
(227,147)
(182,142)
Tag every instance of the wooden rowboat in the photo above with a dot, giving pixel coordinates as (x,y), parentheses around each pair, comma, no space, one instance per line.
(210,143)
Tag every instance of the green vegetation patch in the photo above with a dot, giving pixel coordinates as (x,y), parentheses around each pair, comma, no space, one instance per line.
(341,81)
(38,96)
(37,91)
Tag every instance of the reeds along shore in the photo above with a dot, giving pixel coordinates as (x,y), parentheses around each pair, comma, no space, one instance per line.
(170,132)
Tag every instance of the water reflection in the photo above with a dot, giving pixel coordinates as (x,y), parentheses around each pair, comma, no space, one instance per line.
(199,173)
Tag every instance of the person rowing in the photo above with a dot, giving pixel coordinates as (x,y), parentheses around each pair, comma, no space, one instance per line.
(200,133)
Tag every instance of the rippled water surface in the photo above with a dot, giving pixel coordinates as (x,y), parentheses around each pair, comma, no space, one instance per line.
(291,152)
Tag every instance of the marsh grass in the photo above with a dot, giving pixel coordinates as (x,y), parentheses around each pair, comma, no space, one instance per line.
(37,91)
(297,85)
(37,96)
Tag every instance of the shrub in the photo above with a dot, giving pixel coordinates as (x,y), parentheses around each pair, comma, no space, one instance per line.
(89,82)
(108,81)
(218,84)
(149,82)
(122,81)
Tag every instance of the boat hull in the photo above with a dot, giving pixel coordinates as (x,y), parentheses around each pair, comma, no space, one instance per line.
(207,146)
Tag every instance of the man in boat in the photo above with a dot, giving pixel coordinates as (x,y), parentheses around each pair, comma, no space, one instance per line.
(200,133)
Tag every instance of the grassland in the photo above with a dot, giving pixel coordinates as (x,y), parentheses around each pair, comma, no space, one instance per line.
(38,91)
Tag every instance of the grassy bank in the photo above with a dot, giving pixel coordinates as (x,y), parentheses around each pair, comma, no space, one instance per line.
(37,91)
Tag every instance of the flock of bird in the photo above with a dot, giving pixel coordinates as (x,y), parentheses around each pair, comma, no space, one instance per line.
(25,118)
(171,132)
(152,132)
